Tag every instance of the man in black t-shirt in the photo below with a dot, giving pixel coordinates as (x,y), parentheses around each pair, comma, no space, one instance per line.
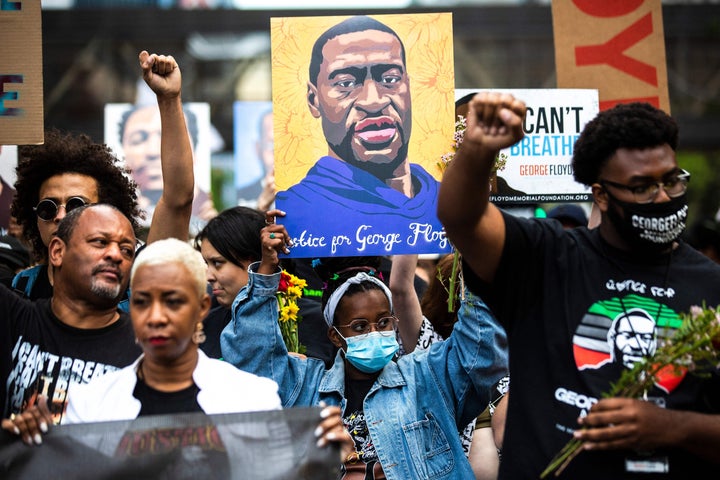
(568,298)
(79,333)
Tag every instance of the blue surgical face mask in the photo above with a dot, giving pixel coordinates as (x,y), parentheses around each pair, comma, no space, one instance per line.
(370,352)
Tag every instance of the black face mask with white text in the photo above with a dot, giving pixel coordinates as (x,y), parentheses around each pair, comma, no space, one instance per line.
(649,226)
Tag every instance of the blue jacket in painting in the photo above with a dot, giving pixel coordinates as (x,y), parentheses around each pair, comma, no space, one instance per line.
(339,209)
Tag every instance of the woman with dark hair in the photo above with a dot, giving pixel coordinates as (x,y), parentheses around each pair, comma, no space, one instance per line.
(229,243)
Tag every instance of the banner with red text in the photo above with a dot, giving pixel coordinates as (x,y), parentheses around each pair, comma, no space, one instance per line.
(616,46)
(270,445)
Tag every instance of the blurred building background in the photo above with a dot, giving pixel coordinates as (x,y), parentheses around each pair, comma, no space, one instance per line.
(223,46)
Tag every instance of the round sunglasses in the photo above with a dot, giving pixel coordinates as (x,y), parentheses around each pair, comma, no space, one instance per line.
(47,209)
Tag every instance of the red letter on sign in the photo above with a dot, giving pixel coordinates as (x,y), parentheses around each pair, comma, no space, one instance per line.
(611,53)
(654,101)
(607,8)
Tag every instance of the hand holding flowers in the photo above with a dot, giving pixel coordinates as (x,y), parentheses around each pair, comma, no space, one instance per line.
(693,349)
(275,239)
(289,291)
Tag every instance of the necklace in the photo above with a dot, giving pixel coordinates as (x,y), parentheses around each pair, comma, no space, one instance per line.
(140,373)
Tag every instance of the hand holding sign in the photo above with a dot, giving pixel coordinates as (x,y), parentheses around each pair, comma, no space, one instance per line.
(275,240)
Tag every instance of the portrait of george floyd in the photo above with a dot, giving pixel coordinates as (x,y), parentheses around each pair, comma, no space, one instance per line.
(132,131)
(363,111)
(253,153)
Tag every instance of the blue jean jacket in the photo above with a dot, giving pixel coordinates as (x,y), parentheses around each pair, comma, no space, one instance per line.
(416,406)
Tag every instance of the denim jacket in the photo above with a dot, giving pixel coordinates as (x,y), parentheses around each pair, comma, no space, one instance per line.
(416,406)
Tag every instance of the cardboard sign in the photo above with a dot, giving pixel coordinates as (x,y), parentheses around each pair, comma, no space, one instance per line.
(21,78)
(538,168)
(363,111)
(616,46)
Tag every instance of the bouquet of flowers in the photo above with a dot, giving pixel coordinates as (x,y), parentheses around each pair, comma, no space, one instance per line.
(694,348)
(500,162)
(289,291)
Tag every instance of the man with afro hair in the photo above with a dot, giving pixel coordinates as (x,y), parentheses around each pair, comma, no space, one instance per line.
(67,154)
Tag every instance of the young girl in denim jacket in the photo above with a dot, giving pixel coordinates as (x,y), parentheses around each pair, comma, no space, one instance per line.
(403,414)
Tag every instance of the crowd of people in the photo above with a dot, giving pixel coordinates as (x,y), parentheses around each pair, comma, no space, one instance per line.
(66,321)
(413,385)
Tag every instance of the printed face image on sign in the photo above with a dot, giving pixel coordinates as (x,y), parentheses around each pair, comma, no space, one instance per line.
(254,145)
(538,169)
(133,133)
(617,333)
(357,148)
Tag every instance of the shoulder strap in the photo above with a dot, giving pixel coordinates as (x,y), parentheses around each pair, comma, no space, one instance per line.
(24,280)
(124,304)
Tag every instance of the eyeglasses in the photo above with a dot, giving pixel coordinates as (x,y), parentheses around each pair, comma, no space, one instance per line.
(47,209)
(646,193)
(384,326)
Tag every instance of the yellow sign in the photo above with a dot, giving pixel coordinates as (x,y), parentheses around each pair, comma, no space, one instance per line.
(299,137)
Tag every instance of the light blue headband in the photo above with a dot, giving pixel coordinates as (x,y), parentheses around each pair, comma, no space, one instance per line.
(329,311)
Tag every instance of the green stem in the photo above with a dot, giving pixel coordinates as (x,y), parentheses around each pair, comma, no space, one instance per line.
(574,453)
(453,281)
(563,458)
(634,389)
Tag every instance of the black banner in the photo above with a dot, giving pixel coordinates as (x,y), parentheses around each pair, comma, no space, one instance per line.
(278,444)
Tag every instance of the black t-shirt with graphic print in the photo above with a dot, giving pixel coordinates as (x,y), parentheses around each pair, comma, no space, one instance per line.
(559,294)
(45,356)
(366,465)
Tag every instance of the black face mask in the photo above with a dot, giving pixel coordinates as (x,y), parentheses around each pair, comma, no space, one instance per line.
(649,226)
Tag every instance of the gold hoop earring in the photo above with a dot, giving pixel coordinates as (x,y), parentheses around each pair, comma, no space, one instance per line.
(198,336)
